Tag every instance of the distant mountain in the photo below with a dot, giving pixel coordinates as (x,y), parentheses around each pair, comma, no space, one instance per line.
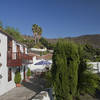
(93,40)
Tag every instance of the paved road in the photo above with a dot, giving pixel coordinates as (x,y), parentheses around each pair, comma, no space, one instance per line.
(26,92)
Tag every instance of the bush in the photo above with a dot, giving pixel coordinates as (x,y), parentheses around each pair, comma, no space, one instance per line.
(29,72)
(17,78)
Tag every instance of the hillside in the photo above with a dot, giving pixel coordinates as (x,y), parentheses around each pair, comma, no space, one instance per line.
(93,40)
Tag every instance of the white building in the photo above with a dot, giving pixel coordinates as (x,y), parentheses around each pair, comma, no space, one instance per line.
(37,58)
(13,57)
(95,66)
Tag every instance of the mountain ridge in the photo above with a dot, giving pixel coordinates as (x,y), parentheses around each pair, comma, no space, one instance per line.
(92,39)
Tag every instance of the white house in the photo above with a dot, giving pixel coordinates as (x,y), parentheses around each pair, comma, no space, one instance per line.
(13,57)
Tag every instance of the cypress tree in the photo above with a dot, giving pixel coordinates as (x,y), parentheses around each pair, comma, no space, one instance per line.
(65,70)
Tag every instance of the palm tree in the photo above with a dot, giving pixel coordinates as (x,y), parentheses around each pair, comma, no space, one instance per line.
(35,31)
(39,33)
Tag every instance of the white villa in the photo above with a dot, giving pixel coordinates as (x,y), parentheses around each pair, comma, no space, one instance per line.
(13,57)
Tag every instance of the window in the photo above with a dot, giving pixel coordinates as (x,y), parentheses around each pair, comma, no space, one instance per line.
(9,74)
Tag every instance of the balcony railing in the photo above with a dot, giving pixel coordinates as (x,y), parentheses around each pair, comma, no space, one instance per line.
(14,59)
(18,59)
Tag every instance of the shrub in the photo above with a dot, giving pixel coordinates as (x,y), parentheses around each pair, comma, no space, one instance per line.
(29,72)
(17,78)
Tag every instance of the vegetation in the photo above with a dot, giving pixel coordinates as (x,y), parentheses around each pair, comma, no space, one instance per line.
(46,52)
(15,33)
(91,53)
(64,70)
(39,45)
(71,75)
(28,42)
(29,72)
(47,44)
(37,32)
(17,78)
(1,25)
(88,81)
(93,40)
(48,77)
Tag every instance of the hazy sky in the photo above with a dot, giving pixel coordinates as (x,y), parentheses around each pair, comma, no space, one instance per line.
(58,18)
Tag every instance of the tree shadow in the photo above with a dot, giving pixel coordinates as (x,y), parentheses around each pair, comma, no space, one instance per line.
(35,84)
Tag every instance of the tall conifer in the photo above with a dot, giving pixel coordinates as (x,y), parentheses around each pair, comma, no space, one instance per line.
(65,70)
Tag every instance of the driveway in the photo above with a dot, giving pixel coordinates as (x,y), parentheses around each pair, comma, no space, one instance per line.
(27,91)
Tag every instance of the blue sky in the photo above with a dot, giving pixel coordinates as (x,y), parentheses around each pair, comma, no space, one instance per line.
(58,18)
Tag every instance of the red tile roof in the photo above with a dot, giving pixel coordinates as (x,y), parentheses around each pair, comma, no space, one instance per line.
(46,57)
(33,54)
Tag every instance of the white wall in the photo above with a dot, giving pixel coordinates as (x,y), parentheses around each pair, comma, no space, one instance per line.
(96,66)
(14,46)
(21,48)
(39,50)
(4,84)
(25,50)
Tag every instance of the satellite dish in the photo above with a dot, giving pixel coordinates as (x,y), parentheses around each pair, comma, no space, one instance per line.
(0,76)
